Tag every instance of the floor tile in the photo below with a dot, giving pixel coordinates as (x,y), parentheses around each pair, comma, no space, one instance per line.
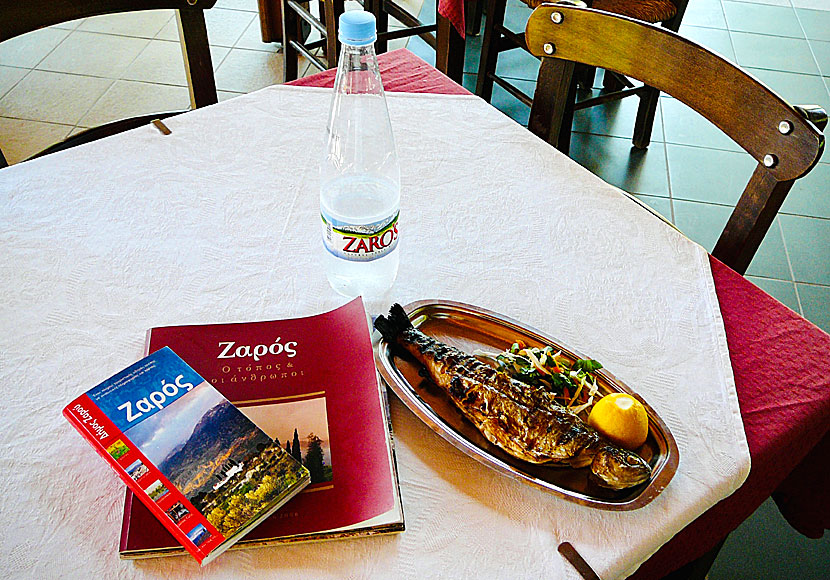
(684,126)
(794,88)
(811,4)
(53,97)
(162,62)
(94,54)
(661,205)
(511,106)
(518,64)
(767,2)
(144,24)
(616,161)
(516,15)
(226,95)
(130,99)
(249,5)
(808,244)
(708,13)
(816,23)
(249,70)
(225,27)
(615,118)
(704,222)
(714,39)
(29,49)
(71,25)
(9,77)
(20,140)
(809,195)
(251,39)
(761,19)
(781,290)
(773,52)
(815,300)
(765,547)
(821,50)
(708,175)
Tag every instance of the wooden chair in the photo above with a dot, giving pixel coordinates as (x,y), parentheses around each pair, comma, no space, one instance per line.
(298,22)
(498,38)
(18,18)
(786,141)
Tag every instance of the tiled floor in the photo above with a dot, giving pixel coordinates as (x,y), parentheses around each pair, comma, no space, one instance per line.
(52,85)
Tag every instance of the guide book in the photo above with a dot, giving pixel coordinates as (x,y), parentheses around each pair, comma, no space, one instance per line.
(204,470)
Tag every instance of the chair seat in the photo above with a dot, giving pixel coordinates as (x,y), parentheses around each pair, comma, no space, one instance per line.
(645,10)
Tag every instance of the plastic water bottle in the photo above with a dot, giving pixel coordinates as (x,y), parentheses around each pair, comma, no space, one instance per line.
(360,185)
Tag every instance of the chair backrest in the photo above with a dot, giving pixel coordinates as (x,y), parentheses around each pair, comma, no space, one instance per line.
(785,144)
(19,17)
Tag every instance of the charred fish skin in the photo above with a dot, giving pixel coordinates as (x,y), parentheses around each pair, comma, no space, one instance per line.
(521,419)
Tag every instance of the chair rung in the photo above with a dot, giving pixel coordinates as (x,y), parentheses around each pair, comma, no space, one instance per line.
(404,32)
(511,89)
(401,15)
(516,40)
(306,53)
(593,101)
(307,16)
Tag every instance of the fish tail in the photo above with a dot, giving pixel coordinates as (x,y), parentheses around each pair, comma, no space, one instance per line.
(392,325)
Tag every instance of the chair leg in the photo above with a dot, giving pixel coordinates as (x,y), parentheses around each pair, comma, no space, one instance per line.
(332,10)
(449,49)
(290,32)
(473,11)
(564,141)
(645,118)
(270,20)
(197,63)
(490,48)
(382,19)
(552,100)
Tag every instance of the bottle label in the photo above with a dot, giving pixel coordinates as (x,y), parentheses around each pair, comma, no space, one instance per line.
(360,243)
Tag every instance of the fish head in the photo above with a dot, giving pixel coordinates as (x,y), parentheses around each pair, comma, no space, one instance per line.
(619,468)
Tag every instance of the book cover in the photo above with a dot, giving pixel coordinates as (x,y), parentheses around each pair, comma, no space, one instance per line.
(206,474)
(311,384)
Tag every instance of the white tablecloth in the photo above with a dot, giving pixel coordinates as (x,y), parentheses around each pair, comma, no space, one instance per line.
(219,222)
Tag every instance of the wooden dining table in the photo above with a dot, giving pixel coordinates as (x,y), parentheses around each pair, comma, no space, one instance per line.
(87,270)
(782,374)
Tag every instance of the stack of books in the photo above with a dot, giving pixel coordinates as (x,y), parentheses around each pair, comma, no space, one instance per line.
(251,442)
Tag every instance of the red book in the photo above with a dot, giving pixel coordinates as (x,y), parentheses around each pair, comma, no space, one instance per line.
(310,383)
(206,474)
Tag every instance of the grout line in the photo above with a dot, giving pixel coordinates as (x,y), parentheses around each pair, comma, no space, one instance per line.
(789,265)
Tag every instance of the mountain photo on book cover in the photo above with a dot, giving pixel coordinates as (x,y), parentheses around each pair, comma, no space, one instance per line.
(303,426)
(226,466)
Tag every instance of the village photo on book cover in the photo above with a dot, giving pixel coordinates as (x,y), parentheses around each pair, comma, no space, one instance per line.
(301,426)
(223,464)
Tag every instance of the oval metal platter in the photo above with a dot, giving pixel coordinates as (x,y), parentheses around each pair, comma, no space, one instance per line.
(469,328)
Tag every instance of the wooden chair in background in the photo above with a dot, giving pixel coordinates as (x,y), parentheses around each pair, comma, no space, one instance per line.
(498,38)
(785,140)
(18,18)
(298,20)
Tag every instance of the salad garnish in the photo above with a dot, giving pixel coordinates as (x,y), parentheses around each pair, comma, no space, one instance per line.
(572,384)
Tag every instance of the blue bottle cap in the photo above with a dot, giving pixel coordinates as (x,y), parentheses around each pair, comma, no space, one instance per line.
(357,28)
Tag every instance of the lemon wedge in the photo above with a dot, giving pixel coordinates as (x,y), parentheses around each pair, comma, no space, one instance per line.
(622,419)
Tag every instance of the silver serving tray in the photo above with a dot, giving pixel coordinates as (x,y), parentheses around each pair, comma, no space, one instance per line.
(469,328)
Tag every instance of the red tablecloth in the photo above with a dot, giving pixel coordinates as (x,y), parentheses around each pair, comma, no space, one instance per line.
(781,364)
(453,10)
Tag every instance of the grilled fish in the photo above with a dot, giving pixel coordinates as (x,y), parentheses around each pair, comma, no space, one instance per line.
(522,419)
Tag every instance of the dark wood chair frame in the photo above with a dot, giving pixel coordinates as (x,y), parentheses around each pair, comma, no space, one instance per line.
(498,38)
(18,18)
(298,20)
(786,141)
